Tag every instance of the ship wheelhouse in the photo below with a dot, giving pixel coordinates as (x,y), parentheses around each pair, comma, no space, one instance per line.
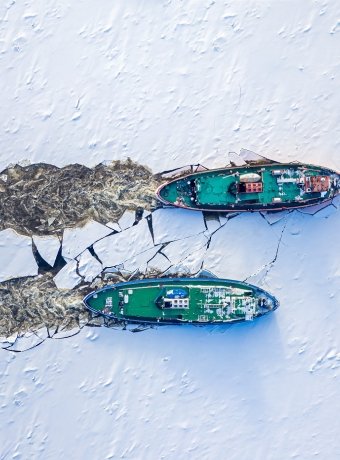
(173,298)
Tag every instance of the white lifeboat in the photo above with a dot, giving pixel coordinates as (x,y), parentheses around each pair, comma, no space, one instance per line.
(250,178)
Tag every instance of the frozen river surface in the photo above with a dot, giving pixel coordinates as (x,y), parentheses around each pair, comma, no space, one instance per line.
(170,84)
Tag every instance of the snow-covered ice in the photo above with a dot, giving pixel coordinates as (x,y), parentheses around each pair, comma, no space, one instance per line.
(242,246)
(115,249)
(76,240)
(253,390)
(48,247)
(236,159)
(188,252)
(16,256)
(202,79)
(114,226)
(26,341)
(213,223)
(170,84)
(170,224)
(127,219)
(140,261)
(159,262)
(67,277)
(88,266)
(273,217)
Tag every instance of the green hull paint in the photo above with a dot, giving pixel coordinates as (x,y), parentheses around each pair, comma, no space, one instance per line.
(281,186)
(181,300)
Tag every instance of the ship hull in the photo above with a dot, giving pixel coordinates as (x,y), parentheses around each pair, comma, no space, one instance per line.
(191,301)
(220,190)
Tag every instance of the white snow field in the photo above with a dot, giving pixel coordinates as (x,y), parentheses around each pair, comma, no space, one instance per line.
(171,83)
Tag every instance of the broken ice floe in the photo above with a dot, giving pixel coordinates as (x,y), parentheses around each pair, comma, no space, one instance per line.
(224,218)
(127,220)
(8,341)
(212,222)
(116,249)
(326,212)
(17,259)
(187,169)
(65,332)
(246,156)
(188,252)
(140,261)
(159,263)
(76,240)
(114,226)
(25,341)
(88,266)
(67,277)
(48,247)
(322,210)
(235,159)
(170,224)
(273,217)
(256,244)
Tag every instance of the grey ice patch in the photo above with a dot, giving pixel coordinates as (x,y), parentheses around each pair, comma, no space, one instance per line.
(43,199)
(29,303)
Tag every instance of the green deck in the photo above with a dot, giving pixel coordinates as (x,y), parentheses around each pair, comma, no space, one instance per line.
(208,301)
(212,188)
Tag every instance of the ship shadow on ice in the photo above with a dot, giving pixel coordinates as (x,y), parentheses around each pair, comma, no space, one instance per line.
(253,351)
(233,362)
(247,355)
